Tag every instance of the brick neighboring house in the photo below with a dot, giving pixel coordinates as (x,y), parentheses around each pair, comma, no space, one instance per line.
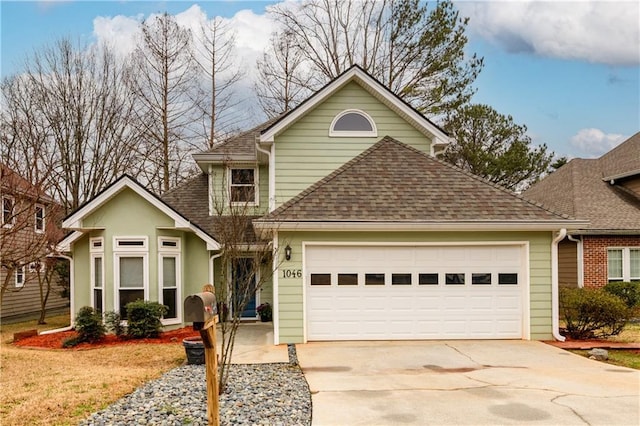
(28,231)
(606,192)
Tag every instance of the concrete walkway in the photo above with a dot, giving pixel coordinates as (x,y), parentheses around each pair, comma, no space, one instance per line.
(254,345)
(465,383)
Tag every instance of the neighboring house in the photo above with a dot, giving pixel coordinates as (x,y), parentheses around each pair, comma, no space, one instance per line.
(28,232)
(606,192)
(383,240)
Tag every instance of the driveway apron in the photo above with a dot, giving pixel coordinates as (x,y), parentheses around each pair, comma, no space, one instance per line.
(465,383)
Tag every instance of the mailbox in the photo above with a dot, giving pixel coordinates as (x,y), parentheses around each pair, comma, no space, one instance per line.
(200,308)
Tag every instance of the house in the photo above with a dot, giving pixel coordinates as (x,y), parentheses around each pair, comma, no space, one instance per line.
(27,233)
(373,237)
(604,191)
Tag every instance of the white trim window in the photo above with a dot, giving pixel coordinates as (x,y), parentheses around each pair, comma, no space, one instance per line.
(39,219)
(169,282)
(20,276)
(96,249)
(8,208)
(131,271)
(243,186)
(353,123)
(623,264)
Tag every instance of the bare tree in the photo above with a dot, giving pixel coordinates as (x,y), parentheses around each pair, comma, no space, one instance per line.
(418,53)
(66,121)
(163,81)
(215,49)
(282,81)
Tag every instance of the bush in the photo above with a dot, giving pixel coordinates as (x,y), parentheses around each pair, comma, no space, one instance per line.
(590,313)
(113,322)
(628,292)
(88,326)
(144,319)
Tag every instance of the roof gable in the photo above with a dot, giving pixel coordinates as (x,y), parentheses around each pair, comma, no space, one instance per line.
(75,220)
(371,85)
(394,183)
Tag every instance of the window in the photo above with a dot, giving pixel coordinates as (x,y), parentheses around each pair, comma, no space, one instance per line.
(20,276)
(623,264)
(39,218)
(454,279)
(374,279)
(242,186)
(8,219)
(347,279)
(400,279)
(97,274)
(353,123)
(320,279)
(481,279)
(131,274)
(507,279)
(428,279)
(169,277)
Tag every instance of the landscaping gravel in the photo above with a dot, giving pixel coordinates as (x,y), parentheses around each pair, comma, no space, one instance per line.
(256,394)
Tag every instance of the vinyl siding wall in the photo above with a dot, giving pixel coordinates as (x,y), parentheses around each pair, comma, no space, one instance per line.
(291,293)
(305,153)
(568,263)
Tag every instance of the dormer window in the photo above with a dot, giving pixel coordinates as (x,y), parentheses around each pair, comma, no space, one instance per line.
(353,123)
(243,185)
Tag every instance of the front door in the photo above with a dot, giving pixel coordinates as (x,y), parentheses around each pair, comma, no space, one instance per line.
(244,291)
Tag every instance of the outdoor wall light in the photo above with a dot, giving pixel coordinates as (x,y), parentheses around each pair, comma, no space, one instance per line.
(287,252)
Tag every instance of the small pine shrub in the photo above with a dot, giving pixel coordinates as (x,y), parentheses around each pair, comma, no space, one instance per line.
(113,323)
(590,313)
(88,326)
(143,319)
(629,292)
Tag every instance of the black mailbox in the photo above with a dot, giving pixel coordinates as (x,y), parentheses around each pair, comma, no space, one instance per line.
(200,308)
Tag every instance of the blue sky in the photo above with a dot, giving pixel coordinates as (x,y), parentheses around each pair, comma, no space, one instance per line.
(569,71)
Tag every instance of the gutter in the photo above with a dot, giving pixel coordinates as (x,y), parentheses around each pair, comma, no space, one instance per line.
(555,297)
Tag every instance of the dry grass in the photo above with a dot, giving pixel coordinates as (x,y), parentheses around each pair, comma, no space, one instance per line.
(60,387)
(630,334)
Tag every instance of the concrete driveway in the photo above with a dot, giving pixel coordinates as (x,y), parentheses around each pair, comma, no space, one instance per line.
(465,382)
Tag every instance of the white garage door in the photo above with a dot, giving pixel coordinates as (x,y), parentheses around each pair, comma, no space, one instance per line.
(418,292)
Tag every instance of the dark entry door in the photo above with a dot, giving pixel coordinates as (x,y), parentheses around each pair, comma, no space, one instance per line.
(244,281)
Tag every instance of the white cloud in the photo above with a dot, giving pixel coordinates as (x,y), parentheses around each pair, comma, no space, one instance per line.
(119,32)
(595,31)
(592,143)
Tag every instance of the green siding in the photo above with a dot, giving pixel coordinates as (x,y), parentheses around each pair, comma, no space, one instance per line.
(305,153)
(128,214)
(290,290)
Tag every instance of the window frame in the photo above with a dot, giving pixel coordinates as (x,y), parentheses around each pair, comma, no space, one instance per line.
(175,253)
(96,250)
(230,185)
(8,217)
(626,264)
(39,229)
(353,133)
(20,276)
(120,252)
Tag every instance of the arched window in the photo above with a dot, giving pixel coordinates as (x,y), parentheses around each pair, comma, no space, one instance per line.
(353,123)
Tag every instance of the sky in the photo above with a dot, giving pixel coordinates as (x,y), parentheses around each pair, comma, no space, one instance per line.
(568,70)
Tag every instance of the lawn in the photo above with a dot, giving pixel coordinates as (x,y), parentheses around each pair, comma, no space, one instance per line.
(61,387)
(625,358)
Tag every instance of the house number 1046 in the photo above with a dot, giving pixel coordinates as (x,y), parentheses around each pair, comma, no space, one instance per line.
(291,273)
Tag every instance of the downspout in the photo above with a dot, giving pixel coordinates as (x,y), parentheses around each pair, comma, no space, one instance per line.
(580,259)
(555,296)
(212,267)
(72,314)
(272,174)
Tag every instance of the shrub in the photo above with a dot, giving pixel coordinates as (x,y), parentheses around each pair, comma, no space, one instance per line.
(592,313)
(629,292)
(113,322)
(143,319)
(88,326)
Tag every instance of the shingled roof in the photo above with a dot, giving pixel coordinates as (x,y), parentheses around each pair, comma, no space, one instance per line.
(586,189)
(393,182)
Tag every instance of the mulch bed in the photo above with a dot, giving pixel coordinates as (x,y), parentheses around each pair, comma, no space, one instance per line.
(55,340)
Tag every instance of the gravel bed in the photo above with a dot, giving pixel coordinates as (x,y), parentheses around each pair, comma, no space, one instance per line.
(257,394)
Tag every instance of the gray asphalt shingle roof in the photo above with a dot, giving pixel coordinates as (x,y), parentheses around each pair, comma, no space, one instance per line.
(393,182)
(581,188)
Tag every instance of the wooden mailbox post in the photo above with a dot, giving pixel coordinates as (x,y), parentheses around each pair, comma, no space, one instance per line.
(202,310)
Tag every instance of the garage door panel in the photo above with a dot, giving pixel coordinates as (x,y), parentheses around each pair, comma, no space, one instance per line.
(407,310)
